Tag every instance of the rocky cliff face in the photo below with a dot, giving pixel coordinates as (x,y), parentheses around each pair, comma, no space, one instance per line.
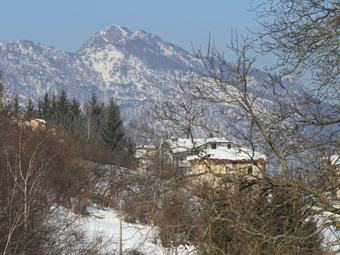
(136,67)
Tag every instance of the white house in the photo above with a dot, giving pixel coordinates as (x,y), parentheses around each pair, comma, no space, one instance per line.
(213,156)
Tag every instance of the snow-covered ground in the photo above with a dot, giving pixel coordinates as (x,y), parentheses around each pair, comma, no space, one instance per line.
(135,237)
(105,222)
(332,239)
(331,234)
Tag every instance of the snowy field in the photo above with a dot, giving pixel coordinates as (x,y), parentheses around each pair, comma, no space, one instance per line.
(105,222)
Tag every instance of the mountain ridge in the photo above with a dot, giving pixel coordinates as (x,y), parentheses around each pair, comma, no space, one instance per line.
(136,68)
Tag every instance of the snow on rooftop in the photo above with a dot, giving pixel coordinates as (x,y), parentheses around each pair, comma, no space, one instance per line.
(222,150)
(233,153)
(40,120)
(185,144)
(182,145)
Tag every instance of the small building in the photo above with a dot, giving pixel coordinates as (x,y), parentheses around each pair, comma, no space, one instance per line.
(176,151)
(38,124)
(213,157)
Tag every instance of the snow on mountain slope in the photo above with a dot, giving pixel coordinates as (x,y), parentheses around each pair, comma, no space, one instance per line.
(31,68)
(136,68)
(151,50)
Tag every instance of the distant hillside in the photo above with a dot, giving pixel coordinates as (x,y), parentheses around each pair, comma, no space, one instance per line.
(137,68)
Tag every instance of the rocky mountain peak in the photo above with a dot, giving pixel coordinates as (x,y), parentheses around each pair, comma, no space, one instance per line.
(119,45)
(111,35)
(115,33)
(135,67)
(117,29)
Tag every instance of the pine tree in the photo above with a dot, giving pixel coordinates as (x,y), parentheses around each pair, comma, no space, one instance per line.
(76,126)
(44,107)
(53,109)
(15,106)
(2,94)
(113,132)
(75,110)
(93,112)
(30,110)
(63,106)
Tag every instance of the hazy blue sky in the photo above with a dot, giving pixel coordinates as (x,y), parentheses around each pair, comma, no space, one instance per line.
(66,24)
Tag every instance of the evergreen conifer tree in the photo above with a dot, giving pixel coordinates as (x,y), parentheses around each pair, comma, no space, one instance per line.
(44,107)
(75,110)
(63,106)
(93,112)
(53,109)
(113,132)
(30,110)
(2,94)
(76,125)
(15,106)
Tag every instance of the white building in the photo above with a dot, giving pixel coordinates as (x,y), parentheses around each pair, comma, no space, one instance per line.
(212,155)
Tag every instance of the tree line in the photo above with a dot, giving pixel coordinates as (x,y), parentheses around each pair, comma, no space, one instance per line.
(95,123)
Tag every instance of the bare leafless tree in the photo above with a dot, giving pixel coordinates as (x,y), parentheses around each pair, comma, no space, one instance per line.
(304,35)
(294,126)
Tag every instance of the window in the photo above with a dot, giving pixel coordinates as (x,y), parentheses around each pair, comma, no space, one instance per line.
(227,170)
(213,146)
(250,170)
(229,146)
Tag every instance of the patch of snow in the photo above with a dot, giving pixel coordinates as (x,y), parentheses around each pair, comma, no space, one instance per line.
(251,80)
(335,160)
(331,235)
(103,61)
(41,121)
(184,144)
(139,34)
(135,236)
(224,153)
(103,35)
(122,30)
(166,50)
